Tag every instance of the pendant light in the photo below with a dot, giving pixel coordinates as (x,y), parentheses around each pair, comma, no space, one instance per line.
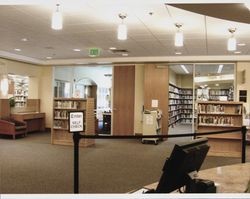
(122,28)
(57,19)
(231,42)
(178,40)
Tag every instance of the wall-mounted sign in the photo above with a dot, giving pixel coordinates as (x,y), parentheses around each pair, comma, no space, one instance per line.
(94,52)
(76,123)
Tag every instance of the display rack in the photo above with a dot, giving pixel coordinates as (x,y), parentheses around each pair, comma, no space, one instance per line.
(60,133)
(217,116)
(152,124)
(20,92)
(180,105)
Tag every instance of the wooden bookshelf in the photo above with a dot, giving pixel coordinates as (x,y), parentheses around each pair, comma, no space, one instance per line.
(180,107)
(218,116)
(60,132)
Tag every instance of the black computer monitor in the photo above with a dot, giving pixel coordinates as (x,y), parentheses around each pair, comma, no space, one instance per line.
(184,159)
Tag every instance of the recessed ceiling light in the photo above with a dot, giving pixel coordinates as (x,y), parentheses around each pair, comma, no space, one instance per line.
(17,49)
(237,52)
(125,54)
(241,44)
(24,39)
(178,53)
(77,50)
(217,84)
(48,57)
(112,48)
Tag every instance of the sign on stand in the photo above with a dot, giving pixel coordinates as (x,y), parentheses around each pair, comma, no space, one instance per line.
(76,121)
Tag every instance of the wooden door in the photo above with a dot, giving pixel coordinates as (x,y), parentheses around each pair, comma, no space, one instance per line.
(123,100)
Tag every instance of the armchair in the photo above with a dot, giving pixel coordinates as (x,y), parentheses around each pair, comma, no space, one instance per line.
(12,127)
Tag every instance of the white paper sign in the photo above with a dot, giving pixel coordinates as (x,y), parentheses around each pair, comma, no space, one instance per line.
(149,120)
(154,103)
(76,122)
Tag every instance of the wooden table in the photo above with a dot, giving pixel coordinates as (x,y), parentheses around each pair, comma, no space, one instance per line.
(35,120)
(228,179)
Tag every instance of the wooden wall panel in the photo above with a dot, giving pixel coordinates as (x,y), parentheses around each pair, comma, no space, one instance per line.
(4,108)
(156,87)
(124,97)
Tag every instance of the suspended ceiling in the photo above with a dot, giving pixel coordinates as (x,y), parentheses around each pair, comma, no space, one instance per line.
(93,23)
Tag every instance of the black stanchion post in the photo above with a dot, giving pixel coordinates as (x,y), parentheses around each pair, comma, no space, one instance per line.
(76,138)
(243,152)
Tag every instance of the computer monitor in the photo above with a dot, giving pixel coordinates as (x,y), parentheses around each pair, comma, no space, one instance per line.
(184,159)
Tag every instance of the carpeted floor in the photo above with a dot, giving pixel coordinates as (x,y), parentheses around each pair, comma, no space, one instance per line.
(33,165)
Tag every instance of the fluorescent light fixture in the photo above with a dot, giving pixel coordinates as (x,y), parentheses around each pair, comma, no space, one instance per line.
(77,50)
(184,68)
(237,52)
(217,84)
(178,39)
(241,44)
(24,39)
(178,53)
(125,54)
(112,48)
(48,57)
(17,49)
(220,68)
(122,29)
(231,43)
(57,19)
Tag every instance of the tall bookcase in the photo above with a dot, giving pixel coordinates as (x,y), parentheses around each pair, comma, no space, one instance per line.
(180,107)
(60,133)
(218,116)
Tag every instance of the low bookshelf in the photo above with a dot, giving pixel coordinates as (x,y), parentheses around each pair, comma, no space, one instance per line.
(60,131)
(218,116)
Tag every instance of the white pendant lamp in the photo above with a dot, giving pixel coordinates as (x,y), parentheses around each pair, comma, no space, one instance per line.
(231,42)
(57,19)
(122,28)
(178,40)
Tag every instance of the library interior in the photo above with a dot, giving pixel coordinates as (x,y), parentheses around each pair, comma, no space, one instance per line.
(171,77)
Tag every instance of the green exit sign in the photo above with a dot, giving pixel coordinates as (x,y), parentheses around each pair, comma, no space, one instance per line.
(94,52)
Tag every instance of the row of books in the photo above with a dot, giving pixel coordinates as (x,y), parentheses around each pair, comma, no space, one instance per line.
(211,108)
(186,91)
(183,106)
(216,120)
(67,104)
(63,114)
(218,92)
(60,124)
(219,109)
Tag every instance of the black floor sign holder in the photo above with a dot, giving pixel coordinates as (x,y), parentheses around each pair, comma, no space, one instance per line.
(77,137)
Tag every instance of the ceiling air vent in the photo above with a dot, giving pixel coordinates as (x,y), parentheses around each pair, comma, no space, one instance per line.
(118,51)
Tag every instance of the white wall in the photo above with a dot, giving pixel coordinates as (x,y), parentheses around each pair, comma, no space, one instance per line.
(139,98)
(94,73)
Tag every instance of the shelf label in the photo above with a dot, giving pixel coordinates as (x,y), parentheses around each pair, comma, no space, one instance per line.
(76,121)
